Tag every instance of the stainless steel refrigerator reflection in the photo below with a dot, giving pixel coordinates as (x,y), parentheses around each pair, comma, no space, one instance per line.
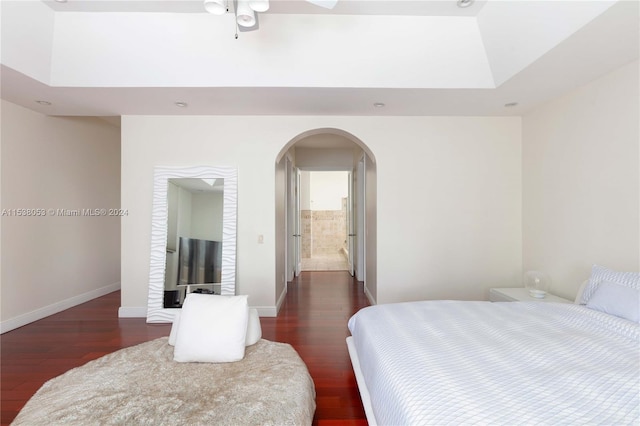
(199,261)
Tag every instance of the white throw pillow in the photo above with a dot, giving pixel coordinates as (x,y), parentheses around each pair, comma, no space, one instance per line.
(616,299)
(212,328)
(254,329)
(600,274)
(174,328)
(578,299)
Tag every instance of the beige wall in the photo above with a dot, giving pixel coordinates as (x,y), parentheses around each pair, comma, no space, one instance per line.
(448,206)
(581,181)
(50,263)
(447,198)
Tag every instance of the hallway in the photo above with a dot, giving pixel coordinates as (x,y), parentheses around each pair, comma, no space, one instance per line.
(325,262)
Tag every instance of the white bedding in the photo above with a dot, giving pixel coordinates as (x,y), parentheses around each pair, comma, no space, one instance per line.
(451,362)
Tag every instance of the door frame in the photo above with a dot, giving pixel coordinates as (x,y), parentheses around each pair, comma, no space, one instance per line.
(361,226)
(292,217)
(297,223)
(350,225)
(350,220)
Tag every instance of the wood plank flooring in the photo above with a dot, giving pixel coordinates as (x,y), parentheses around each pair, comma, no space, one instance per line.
(313,319)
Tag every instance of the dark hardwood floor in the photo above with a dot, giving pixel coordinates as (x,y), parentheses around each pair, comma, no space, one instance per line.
(313,319)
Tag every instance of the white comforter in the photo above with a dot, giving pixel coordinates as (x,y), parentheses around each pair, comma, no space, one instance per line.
(460,363)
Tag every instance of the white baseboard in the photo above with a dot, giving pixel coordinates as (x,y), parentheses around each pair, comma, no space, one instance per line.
(266,311)
(281,300)
(132,312)
(271,311)
(369,296)
(54,308)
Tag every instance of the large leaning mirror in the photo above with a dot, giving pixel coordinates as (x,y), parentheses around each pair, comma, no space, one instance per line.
(193,236)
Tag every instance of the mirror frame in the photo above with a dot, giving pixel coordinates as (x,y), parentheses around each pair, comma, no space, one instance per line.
(156,312)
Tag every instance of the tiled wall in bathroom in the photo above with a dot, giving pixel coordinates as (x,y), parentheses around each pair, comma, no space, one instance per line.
(305,228)
(323,231)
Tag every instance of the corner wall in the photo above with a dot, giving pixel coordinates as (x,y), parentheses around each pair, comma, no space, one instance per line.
(63,256)
(581,181)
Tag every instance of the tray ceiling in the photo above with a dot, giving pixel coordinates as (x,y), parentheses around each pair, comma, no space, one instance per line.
(112,58)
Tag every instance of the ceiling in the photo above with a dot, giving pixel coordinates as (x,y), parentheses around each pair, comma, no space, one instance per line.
(417,58)
(196,185)
(344,7)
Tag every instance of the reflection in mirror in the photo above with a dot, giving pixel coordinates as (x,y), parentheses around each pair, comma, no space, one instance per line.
(193,236)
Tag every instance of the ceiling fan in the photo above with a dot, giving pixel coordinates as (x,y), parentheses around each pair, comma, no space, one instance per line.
(246,10)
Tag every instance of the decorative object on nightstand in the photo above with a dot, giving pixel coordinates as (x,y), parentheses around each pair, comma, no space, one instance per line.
(537,283)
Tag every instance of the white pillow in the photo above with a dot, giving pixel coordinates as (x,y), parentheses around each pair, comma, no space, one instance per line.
(600,273)
(254,330)
(616,299)
(174,328)
(578,299)
(212,328)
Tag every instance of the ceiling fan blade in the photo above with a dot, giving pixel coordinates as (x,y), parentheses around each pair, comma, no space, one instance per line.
(327,4)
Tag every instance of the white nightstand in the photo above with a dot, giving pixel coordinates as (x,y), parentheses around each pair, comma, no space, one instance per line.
(520,295)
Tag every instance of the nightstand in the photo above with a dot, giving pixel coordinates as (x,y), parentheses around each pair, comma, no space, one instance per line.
(520,295)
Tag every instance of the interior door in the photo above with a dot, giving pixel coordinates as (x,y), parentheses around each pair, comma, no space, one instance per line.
(351,229)
(291,260)
(360,220)
(297,226)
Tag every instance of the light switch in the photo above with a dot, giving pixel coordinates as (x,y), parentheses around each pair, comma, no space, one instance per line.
(260,239)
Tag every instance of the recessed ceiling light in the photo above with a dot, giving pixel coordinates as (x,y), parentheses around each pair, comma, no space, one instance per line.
(511,104)
(61,1)
(465,3)
(181,104)
(43,102)
(378,105)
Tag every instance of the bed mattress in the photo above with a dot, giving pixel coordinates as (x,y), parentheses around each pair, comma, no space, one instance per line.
(453,362)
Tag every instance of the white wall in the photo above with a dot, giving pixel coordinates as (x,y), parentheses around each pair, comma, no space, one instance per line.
(206,216)
(269,304)
(50,263)
(449,206)
(370,229)
(305,190)
(328,189)
(184,213)
(581,181)
(448,197)
(318,158)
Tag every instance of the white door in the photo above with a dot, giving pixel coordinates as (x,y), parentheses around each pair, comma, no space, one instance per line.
(351,229)
(360,220)
(291,260)
(297,226)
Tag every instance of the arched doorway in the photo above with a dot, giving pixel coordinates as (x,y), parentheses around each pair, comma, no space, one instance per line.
(326,150)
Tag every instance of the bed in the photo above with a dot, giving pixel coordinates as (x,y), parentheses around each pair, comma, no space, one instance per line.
(505,363)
